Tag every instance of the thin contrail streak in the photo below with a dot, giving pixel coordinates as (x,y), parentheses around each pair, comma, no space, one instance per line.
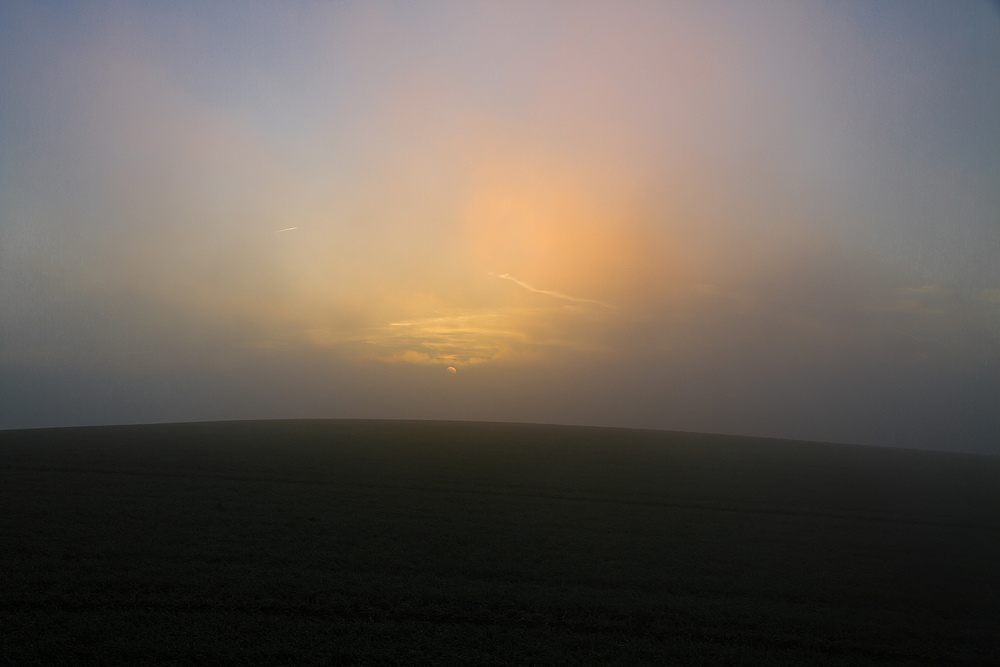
(558,295)
(286,229)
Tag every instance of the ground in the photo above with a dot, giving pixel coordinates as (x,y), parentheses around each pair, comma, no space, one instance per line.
(367,542)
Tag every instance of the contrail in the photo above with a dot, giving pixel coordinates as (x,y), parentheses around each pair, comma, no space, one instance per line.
(286,229)
(558,295)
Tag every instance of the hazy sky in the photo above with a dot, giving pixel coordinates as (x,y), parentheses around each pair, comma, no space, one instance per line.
(777,219)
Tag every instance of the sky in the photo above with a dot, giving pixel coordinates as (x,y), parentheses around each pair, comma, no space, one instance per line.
(776,219)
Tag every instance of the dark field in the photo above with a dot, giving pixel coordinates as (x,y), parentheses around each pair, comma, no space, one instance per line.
(352,542)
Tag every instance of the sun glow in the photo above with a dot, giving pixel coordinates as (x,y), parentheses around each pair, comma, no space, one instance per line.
(539,264)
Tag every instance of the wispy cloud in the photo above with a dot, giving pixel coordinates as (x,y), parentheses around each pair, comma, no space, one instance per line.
(991,295)
(509,335)
(911,306)
(926,289)
(557,295)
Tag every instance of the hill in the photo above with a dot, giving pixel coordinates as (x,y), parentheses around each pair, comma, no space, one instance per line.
(387,542)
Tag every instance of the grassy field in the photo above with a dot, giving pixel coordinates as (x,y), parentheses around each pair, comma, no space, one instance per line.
(367,542)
